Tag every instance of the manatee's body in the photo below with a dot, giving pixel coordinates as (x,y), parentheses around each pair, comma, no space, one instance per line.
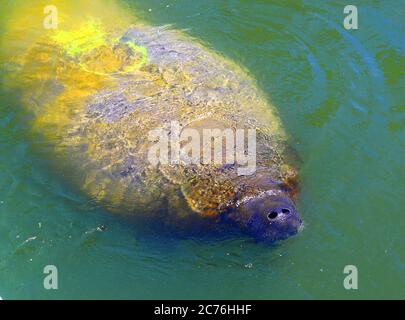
(102,126)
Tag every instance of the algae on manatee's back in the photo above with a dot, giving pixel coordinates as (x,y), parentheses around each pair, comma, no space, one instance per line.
(96,91)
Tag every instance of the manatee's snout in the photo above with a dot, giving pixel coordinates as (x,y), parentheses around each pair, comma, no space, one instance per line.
(283,221)
(270,218)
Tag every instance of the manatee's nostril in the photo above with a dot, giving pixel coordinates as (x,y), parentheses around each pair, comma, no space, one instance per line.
(273,215)
(286,211)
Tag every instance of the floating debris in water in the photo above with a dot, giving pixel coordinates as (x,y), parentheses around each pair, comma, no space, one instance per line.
(29,239)
(25,241)
(99,228)
(249,265)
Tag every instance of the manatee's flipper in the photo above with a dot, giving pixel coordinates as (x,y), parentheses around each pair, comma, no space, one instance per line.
(203,186)
(203,190)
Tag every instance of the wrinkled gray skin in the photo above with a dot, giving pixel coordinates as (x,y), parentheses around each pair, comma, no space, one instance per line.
(182,81)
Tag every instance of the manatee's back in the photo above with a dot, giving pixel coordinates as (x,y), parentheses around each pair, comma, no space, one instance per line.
(182,81)
(98,121)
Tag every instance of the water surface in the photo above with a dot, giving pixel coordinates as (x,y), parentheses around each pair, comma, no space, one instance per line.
(340,95)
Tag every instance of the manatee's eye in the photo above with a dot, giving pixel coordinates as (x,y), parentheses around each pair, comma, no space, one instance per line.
(272,215)
(285,211)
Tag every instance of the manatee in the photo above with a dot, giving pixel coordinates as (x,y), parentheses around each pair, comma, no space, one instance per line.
(97,103)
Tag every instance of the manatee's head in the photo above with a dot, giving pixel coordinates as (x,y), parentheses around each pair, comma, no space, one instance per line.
(269,216)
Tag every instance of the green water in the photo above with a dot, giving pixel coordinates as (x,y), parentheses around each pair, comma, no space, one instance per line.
(341,97)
